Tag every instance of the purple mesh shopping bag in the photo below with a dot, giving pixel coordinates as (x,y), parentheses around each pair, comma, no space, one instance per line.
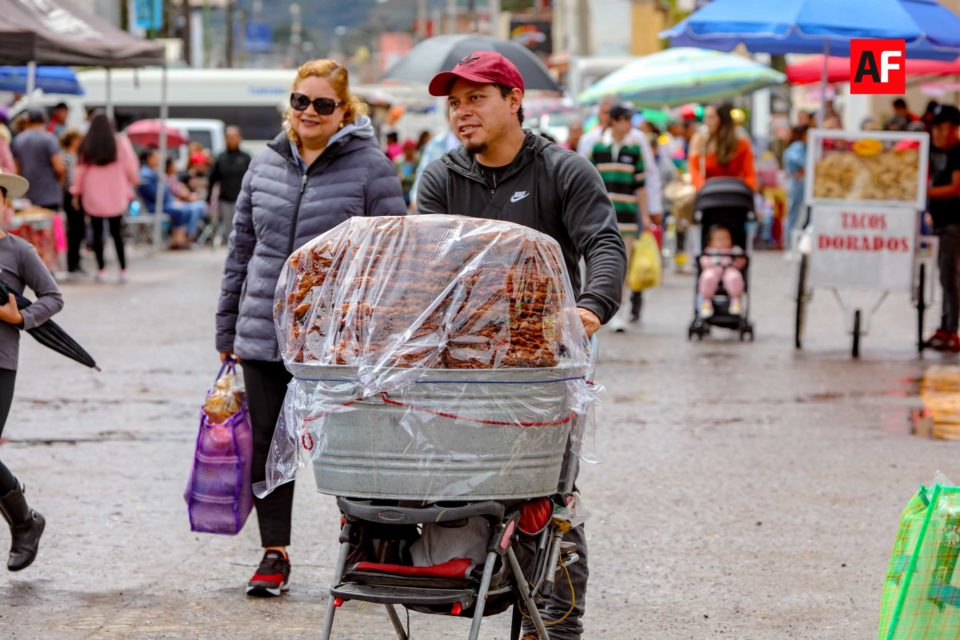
(219,496)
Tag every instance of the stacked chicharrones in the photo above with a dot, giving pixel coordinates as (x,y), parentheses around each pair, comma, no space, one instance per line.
(427,292)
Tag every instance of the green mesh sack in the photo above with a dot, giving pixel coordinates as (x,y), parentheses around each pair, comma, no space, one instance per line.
(921,593)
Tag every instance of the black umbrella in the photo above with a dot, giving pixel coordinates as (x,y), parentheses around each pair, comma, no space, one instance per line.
(442,53)
(50,334)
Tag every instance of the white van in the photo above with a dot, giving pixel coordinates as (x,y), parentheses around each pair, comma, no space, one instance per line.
(247,98)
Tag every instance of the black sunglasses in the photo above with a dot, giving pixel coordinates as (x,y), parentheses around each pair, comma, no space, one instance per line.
(324,106)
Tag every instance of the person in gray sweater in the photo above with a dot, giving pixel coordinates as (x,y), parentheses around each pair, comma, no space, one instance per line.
(325,168)
(20,267)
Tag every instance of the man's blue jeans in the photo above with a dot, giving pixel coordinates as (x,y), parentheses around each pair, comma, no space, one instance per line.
(187,214)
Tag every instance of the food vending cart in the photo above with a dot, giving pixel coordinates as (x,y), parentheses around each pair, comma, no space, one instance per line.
(865,191)
(41,228)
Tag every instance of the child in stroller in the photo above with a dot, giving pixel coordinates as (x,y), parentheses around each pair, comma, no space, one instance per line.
(722,263)
(724,207)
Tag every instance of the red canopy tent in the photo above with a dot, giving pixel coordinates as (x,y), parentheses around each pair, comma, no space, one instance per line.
(810,70)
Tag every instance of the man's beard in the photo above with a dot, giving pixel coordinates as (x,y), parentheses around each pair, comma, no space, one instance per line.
(475,148)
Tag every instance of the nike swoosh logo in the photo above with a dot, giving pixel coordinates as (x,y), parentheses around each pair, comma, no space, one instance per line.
(518,196)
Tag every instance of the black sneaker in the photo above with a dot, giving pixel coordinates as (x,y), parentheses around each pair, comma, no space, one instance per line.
(272,576)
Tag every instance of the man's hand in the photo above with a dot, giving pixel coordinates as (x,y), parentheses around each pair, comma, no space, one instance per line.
(9,312)
(590,320)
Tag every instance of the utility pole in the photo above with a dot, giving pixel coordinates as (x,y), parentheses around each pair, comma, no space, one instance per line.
(494,10)
(186,34)
(296,38)
(228,16)
(472,14)
(451,16)
(421,19)
(584,33)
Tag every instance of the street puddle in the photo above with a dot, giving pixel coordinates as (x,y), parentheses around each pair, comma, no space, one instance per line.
(938,417)
(98,438)
(846,396)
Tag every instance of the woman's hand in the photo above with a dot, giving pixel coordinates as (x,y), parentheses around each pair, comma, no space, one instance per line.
(9,312)
(76,203)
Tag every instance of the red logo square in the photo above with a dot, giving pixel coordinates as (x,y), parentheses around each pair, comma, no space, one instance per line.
(878,66)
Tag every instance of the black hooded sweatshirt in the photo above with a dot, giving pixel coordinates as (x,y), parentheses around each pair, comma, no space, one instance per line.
(549,189)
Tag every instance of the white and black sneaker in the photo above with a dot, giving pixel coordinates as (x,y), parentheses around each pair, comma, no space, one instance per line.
(272,577)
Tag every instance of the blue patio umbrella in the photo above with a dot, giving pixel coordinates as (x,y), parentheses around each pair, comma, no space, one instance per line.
(931,30)
(816,26)
(60,80)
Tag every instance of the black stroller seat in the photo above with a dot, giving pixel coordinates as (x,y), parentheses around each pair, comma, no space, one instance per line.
(376,563)
(727,203)
(387,529)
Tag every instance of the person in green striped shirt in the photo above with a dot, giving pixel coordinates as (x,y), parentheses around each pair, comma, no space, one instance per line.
(618,156)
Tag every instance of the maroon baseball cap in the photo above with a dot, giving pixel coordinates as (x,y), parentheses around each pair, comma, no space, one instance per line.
(486,67)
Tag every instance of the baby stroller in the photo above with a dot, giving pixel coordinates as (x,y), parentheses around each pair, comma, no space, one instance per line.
(725,202)
(378,536)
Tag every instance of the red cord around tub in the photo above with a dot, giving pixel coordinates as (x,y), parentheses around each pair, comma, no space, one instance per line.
(442,414)
(500,423)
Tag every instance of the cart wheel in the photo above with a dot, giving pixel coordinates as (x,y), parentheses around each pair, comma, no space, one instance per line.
(801,304)
(856,334)
(921,304)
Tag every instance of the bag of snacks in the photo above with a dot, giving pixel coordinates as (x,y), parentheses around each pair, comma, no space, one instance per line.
(219,495)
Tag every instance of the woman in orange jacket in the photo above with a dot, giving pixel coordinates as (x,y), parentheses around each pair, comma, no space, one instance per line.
(721,151)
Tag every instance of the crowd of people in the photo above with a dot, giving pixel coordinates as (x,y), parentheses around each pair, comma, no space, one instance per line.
(97,178)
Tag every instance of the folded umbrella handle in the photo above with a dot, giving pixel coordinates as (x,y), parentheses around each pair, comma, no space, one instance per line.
(5,291)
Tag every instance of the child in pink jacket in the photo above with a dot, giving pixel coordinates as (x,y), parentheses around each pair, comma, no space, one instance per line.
(107,170)
(721,262)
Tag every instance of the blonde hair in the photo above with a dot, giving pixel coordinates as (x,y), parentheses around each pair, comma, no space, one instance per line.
(339,79)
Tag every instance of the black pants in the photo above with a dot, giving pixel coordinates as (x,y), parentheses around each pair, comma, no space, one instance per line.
(76,232)
(563,620)
(948,261)
(116,230)
(266,384)
(7,379)
(636,304)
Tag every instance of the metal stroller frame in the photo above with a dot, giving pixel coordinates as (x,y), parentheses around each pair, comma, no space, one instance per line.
(490,589)
(726,202)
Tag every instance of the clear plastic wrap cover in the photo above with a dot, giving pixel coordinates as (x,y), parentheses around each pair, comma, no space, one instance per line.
(433,357)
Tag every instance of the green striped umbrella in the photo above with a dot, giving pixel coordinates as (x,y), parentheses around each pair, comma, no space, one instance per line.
(677,76)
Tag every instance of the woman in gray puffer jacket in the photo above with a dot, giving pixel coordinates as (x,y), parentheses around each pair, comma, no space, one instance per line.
(324,169)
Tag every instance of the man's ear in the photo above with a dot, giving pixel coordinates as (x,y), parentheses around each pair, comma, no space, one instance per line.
(516,99)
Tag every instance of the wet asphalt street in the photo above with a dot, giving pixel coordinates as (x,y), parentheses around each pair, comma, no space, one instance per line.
(743,490)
